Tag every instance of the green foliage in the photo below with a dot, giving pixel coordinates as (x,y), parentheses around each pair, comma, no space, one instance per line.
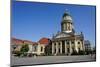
(78,53)
(88,52)
(17,53)
(74,53)
(48,50)
(24,48)
(22,51)
(81,52)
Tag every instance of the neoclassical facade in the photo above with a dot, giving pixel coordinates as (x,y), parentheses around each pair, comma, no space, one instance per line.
(67,41)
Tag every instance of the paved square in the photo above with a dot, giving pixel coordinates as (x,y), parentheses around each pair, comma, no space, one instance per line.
(49,59)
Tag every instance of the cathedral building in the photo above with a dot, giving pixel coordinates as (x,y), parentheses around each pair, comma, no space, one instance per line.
(67,41)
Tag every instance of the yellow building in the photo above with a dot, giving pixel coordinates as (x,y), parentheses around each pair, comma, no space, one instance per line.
(35,48)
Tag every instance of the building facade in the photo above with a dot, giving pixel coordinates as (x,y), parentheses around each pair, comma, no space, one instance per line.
(88,47)
(16,44)
(35,48)
(66,41)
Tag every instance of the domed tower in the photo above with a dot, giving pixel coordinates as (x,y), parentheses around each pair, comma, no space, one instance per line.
(66,24)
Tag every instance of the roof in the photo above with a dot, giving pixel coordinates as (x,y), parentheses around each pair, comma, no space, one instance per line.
(21,42)
(29,42)
(44,41)
(66,14)
(79,36)
(63,34)
(17,41)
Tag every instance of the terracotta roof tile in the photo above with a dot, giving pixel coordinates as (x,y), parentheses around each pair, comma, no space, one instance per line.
(28,42)
(17,41)
(21,42)
(44,41)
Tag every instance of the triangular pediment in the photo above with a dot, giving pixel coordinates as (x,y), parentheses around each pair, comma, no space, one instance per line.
(61,35)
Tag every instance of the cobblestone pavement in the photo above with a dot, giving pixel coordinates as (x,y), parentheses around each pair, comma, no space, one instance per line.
(49,59)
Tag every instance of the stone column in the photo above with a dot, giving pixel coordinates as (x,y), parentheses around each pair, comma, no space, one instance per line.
(52,48)
(81,44)
(76,45)
(65,47)
(61,47)
(56,47)
(70,47)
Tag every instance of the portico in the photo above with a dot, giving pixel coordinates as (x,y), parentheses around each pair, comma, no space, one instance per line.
(61,47)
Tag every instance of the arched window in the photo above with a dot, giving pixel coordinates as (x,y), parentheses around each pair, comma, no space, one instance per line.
(41,48)
(78,42)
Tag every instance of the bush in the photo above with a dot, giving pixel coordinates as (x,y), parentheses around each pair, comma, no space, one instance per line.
(74,53)
(81,52)
(24,48)
(88,52)
(17,53)
(22,51)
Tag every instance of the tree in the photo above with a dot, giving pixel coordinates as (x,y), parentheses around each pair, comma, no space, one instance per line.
(74,52)
(81,52)
(48,50)
(24,48)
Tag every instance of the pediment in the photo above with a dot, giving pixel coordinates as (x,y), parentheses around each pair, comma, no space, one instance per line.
(61,35)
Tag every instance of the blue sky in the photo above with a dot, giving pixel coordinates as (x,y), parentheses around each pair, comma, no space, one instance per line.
(32,21)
